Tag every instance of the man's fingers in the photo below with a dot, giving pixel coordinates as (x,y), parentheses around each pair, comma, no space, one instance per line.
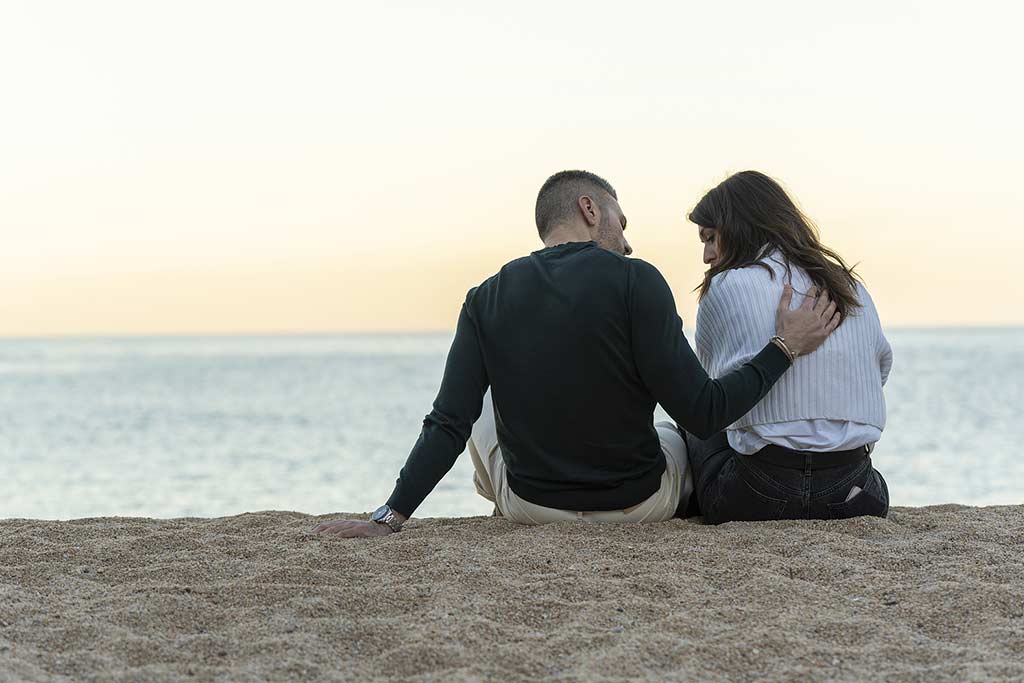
(833,323)
(809,298)
(823,301)
(787,298)
(331,527)
(350,528)
(829,311)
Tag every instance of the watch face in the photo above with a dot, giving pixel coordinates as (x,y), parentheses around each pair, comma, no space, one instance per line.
(380,513)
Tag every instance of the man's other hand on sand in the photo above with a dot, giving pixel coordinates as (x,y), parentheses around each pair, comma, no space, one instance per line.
(352,528)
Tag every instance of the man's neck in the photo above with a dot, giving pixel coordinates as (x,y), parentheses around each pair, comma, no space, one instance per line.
(564,234)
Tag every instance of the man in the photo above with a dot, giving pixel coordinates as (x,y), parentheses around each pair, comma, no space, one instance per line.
(578,344)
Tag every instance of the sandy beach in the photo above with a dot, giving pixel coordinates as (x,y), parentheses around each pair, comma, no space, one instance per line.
(931,594)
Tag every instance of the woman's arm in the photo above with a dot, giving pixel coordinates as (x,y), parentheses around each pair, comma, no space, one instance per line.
(885,359)
(734,318)
(883,346)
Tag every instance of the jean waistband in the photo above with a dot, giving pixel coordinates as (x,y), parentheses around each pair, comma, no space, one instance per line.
(785,457)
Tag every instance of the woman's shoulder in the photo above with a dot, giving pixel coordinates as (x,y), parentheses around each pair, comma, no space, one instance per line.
(863,297)
(764,275)
(867,309)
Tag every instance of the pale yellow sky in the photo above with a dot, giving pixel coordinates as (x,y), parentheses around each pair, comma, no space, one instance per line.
(299,166)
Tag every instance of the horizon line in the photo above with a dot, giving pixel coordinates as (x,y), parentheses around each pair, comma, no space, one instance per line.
(410,332)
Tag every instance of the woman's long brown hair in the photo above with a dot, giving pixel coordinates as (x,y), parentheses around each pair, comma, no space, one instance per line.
(751,213)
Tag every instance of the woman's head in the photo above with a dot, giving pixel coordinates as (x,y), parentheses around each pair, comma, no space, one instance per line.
(748,215)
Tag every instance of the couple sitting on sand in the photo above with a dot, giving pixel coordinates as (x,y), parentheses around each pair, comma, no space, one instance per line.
(559,360)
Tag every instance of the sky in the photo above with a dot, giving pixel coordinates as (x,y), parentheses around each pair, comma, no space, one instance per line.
(237,167)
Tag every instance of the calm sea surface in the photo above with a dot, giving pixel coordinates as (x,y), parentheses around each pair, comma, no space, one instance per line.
(210,426)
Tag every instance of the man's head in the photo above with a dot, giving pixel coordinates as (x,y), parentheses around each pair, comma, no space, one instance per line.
(583,205)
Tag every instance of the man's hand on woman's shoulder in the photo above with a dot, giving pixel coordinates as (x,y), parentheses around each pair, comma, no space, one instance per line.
(806,327)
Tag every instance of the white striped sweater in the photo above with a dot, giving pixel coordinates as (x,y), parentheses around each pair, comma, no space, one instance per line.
(841,381)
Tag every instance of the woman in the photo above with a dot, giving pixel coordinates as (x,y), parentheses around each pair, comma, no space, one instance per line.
(804,451)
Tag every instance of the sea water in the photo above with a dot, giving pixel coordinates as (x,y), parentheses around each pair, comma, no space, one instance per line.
(210,426)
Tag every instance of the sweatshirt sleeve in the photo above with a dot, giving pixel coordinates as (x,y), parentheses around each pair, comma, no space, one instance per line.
(449,425)
(672,372)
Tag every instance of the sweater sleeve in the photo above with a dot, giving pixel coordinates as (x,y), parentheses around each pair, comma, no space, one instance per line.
(883,347)
(885,359)
(449,425)
(672,372)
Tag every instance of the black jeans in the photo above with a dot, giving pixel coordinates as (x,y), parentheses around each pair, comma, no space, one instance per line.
(778,483)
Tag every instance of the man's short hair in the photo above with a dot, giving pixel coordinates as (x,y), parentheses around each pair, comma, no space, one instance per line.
(556,201)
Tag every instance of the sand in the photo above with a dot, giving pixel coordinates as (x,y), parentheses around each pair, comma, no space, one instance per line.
(932,594)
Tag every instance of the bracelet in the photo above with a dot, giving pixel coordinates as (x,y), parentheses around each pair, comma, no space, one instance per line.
(781,343)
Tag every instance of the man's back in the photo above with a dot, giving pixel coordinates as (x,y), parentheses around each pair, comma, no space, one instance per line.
(574,417)
(578,344)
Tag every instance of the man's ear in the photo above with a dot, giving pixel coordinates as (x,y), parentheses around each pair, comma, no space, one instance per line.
(590,210)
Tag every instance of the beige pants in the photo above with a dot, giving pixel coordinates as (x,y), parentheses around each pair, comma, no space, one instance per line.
(492,484)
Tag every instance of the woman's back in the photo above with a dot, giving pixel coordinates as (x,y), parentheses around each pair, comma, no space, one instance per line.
(800,453)
(831,400)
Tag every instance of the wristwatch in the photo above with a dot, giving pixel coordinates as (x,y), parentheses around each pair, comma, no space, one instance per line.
(386,516)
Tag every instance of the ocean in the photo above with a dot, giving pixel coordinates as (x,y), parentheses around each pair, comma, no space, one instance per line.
(212,426)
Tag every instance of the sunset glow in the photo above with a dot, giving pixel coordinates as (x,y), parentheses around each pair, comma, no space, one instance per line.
(303,167)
